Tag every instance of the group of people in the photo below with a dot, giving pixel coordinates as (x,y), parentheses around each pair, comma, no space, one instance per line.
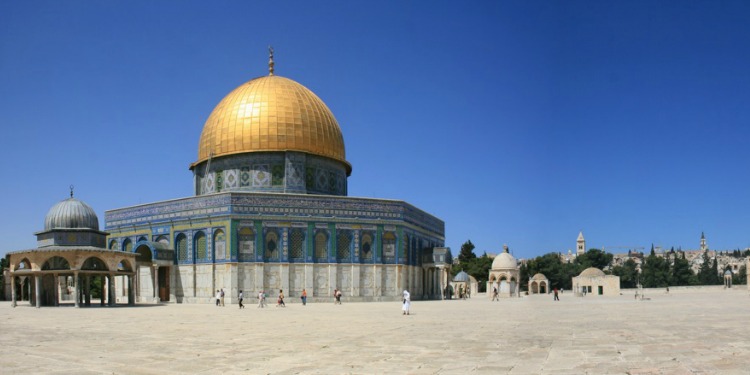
(406,302)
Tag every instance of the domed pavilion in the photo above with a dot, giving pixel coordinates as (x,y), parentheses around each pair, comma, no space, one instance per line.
(70,255)
(271,212)
(539,284)
(504,275)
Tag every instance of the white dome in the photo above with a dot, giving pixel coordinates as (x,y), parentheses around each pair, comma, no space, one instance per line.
(504,261)
(591,272)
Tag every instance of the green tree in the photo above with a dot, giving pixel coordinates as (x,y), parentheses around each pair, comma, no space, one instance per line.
(551,265)
(742,275)
(628,273)
(3,265)
(681,271)
(655,271)
(594,258)
(704,272)
(716,278)
(467,252)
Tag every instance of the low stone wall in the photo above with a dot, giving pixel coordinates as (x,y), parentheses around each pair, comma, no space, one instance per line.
(686,289)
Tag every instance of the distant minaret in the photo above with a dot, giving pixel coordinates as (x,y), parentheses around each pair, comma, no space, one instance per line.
(703,242)
(581,244)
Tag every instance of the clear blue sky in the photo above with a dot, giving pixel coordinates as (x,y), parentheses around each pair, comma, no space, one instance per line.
(514,122)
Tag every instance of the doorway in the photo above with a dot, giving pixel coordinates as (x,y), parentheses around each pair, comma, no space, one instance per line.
(164,284)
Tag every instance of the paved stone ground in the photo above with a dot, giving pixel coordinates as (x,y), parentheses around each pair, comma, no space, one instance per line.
(704,331)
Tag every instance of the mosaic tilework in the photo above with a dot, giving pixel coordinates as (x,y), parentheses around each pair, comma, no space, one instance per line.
(272,171)
(287,206)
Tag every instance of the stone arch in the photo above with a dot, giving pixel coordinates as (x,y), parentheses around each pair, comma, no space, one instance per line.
(144,254)
(124,265)
(94,263)
(141,239)
(22,265)
(220,245)
(56,262)
(534,287)
(200,246)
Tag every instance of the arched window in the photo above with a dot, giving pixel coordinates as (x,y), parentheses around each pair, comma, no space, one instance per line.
(321,246)
(366,244)
(141,239)
(163,240)
(220,245)
(298,244)
(182,248)
(389,246)
(247,243)
(114,245)
(272,245)
(405,247)
(343,243)
(127,246)
(201,252)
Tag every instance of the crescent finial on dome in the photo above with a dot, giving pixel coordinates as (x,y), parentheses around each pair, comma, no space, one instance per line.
(71,191)
(270,60)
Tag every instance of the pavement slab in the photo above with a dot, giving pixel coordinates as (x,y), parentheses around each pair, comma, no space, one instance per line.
(700,331)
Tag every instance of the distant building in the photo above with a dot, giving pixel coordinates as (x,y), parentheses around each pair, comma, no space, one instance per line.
(504,275)
(580,244)
(593,281)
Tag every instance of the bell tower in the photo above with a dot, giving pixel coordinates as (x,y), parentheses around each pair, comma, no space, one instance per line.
(580,244)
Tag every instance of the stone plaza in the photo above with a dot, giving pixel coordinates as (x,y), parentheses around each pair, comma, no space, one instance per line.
(686,331)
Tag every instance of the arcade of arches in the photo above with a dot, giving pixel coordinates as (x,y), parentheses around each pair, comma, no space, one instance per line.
(59,276)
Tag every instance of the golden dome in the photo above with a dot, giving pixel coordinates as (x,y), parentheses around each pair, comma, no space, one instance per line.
(271,113)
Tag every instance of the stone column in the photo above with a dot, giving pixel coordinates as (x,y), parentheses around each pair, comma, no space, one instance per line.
(112,296)
(87,290)
(77,292)
(103,292)
(156,282)
(131,291)
(56,288)
(13,290)
(38,290)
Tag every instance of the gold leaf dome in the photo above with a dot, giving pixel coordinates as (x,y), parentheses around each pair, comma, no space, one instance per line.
(271,113)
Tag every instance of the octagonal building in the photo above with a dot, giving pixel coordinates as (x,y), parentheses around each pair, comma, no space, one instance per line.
(271,213)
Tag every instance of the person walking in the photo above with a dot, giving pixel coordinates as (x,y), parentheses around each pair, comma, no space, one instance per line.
(221,295)
(304,297)
(218,297)
(406,302)
(240,298)
(280,301)
(495,297)
(261,299)
(556,296)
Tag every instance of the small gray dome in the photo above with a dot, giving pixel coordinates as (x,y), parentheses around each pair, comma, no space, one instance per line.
(461,277)
(71,214)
